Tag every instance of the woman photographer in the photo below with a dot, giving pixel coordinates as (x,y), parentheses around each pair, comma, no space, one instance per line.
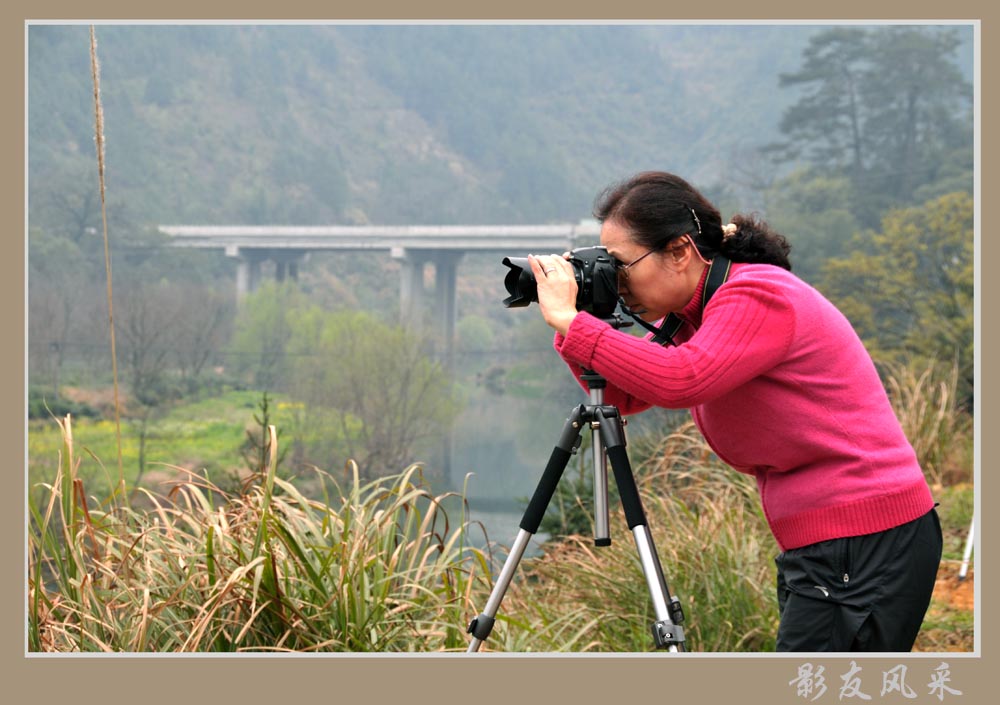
(782,388)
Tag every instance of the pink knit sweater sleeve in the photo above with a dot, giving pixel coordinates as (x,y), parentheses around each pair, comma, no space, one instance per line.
(747,329)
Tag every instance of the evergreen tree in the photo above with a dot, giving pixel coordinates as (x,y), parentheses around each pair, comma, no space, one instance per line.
(884,107)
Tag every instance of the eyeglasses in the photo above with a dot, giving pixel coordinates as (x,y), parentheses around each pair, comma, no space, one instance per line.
(623,268)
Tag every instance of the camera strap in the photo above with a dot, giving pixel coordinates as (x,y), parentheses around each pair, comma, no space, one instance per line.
(718,273)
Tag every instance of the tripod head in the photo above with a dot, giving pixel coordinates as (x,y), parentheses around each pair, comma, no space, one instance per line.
(593,379)
(616,321)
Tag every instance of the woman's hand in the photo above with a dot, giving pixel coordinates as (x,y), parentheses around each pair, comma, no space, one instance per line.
(557,289)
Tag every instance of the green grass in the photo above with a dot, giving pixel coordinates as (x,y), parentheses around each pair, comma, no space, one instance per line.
(205,434)
(955,510)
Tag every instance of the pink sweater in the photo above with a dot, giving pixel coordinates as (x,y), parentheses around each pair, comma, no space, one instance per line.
(782,388)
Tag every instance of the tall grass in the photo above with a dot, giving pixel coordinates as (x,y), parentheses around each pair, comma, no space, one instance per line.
(380,566)
(925,399)
(375,566)
(717,555)
(99,142)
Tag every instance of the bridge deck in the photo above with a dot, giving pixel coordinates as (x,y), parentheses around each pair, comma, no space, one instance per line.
(496,238)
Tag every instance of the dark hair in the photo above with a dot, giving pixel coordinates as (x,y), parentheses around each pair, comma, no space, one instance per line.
(658,208)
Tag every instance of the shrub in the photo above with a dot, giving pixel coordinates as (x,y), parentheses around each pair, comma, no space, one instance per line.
(45,406)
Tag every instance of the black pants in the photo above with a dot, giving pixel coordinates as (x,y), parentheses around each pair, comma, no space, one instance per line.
(863,593)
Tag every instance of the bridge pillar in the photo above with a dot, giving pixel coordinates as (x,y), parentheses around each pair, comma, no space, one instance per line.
(445,309)
(446,312)
(411,286)
(413,316)
(247,272)
(412,294)
(286,263)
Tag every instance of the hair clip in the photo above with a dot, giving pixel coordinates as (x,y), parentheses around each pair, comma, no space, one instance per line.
(696,221)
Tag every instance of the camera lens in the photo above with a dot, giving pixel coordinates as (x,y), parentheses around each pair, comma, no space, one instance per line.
(520,283)
(595,271)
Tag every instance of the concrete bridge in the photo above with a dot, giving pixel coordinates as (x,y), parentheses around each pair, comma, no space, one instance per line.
(415,246)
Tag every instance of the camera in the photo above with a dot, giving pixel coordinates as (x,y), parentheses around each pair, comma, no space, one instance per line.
(596,274)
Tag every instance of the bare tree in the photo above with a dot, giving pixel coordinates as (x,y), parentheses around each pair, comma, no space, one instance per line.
(147,321)
(203,328)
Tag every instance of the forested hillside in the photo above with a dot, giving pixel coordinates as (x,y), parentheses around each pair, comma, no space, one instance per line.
(393,124)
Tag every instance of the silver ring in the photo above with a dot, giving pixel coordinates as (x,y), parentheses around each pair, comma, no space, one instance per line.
(546,271)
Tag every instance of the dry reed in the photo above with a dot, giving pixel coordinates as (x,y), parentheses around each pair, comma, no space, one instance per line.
(377,566)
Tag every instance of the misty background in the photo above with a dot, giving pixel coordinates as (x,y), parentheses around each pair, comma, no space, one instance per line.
(826,130)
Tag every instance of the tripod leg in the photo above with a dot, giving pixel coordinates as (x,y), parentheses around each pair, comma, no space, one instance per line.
(667,632)
(481,626)
(967,555)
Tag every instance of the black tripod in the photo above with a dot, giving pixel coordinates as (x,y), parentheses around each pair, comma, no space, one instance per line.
(608,444)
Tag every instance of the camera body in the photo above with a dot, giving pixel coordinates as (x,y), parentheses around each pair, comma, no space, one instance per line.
(596,274)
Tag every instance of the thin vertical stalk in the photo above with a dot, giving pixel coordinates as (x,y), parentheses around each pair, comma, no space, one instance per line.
(268,490)
(99,130)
